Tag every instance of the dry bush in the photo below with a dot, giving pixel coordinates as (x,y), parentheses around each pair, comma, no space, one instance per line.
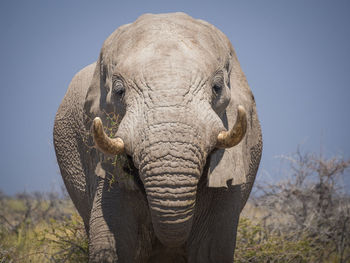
(311,207)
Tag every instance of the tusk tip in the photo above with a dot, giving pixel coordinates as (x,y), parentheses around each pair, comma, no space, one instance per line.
(242,116)
(97,121)
(97,125)
(241,109)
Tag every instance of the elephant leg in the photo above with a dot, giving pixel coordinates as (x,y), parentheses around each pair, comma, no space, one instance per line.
(213,236)
(69,149)
(118,226)
(102,243)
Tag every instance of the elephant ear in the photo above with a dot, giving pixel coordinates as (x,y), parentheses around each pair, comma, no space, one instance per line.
(92,106)
(238,165)
(95,101)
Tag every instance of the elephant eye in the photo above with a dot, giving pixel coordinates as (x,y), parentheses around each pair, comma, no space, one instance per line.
(118,89)
(216,90)
(218,84)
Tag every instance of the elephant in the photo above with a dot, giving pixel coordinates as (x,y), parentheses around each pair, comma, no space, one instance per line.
(158,143)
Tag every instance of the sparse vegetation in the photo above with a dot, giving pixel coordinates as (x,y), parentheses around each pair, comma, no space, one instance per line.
(40,228)
(305,218)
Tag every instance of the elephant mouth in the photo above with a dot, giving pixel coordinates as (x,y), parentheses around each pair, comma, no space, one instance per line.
(130,168)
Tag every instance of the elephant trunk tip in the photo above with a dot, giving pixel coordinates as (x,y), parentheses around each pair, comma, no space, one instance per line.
(173,235)
(172,219)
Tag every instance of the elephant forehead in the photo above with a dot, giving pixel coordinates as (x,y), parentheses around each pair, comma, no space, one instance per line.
(153,66)
(157,28)
(172,38)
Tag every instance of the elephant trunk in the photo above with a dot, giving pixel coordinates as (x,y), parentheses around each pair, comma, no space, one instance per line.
(170,166)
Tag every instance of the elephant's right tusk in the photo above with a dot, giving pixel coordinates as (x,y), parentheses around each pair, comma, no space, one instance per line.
(103,142)
(228,139)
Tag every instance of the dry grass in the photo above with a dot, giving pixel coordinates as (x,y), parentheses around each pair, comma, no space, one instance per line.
(40,228)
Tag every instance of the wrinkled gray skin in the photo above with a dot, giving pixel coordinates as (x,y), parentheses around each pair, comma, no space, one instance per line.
(175,198)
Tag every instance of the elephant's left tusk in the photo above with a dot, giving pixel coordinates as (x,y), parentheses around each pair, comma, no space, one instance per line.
(103,142)
(228,139)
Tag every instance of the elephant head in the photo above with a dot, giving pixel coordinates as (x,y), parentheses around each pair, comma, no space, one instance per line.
(184,103)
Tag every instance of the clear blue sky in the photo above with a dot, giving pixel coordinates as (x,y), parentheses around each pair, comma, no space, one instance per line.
(296,56)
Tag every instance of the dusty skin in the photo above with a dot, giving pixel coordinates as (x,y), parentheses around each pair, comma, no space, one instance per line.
(187,137)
